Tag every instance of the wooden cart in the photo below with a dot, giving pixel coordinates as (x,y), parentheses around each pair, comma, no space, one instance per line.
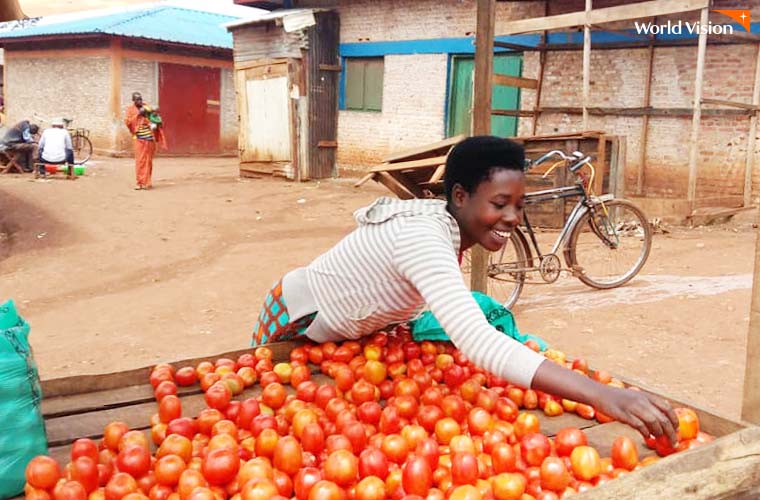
(729,467)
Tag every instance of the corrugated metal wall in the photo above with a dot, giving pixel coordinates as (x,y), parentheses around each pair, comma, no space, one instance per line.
(322,80)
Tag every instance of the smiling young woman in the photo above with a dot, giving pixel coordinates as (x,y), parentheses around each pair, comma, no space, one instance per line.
(405,254)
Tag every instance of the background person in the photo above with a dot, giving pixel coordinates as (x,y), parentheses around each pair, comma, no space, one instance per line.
(20,138)
(146,134)
(55,147)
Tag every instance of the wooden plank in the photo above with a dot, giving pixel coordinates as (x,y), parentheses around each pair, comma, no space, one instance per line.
(602,436)
(407,165)
(258,63)
(640,111)
(514,81)
(403,155)
(88,383)
(364,179)
(550,426)
(516,46)
(620,159)
(327,144)
(697,116)
(409,184)
(600,165)
(512,112)
(541,70)
(604,15)
(644,136)
(330,67)
(751,393)
(749,158)
(481,113)
(388,181)
(734,104)
(725,468)
(438,174)
(586,68)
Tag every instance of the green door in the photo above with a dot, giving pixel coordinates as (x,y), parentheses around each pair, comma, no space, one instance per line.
(460,95)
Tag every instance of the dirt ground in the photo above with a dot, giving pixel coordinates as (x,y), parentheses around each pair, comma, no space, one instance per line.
(111,278)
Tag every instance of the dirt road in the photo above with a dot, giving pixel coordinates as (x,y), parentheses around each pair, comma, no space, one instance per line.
(112,278)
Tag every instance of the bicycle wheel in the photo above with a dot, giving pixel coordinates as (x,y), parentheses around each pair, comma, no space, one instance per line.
(504,282)
(82,148)
(609,250)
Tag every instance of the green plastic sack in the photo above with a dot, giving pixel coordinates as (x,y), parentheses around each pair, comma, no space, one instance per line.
(22,430)
(427,327)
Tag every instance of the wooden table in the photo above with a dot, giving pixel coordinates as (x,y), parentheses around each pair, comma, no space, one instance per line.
(729,467)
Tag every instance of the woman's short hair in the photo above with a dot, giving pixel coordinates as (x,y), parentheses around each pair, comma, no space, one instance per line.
(473,160)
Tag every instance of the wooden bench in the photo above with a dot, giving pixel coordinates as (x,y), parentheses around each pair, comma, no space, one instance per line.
(9,161)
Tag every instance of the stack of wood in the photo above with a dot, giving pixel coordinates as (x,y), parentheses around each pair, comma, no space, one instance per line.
(414,173)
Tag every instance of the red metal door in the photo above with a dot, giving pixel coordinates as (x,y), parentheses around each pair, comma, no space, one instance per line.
(189,100)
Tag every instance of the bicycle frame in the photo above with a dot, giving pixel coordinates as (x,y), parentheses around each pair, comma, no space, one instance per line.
(581,207)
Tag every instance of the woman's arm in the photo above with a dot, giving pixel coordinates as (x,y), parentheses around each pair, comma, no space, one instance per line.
(425,256)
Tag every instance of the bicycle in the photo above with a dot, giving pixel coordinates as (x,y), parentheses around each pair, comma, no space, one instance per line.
(80,139)
(596,235)
(80,142)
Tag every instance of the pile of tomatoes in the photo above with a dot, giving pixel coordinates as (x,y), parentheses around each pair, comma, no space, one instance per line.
(402,420)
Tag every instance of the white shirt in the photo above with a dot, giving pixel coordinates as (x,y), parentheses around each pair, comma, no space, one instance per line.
(404,255)
(54,143)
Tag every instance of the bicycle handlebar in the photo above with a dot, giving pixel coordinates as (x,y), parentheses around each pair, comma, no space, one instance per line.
(577,157)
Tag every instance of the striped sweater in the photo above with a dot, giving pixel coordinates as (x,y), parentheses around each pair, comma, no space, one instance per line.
(402,256)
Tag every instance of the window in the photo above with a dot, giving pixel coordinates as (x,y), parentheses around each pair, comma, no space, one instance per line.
(364,83)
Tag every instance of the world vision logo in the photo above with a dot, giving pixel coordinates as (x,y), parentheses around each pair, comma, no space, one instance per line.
(741,16)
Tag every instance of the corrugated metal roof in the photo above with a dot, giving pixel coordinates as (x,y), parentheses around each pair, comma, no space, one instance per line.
(165,23)
(272,16)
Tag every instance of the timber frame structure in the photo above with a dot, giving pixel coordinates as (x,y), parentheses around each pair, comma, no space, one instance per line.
(482,109)
(592,18)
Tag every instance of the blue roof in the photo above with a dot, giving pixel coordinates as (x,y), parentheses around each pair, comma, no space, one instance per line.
(165,23)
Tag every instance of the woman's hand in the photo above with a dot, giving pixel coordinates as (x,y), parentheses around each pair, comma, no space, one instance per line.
(648,414)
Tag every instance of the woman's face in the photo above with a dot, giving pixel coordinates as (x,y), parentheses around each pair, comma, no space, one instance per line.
(488,215)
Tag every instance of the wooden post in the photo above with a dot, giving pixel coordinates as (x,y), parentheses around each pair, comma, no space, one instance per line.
(697,113)
(115,96)
(586,65)
(749,160)
(645,122)
(751,399)
(481,114)
(541,69)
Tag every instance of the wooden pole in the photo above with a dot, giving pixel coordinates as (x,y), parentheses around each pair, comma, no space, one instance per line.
(541,69)
(751,398)
(586,65)
(697,114)
(750,158)
(115,95)
(645,121)
(481,113)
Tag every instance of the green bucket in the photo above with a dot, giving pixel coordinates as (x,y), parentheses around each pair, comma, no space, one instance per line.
(79,169)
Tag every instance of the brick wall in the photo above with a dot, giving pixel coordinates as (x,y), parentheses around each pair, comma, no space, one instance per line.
(72,87)
(414,90)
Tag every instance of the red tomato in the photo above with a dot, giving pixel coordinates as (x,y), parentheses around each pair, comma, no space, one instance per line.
(373,462)
(168,469)
(395,448)
(169,408)
(369,412)
(288,455)
(259,489)
(112,434)
(624,453)
(464,468)
(585,463)
(85,471)
(688,423)
(120,485)
(508,486)
(503,458)
(567,439)
(526,423)
(164,389)
(370,488)
(554,474)
(341,467)
(324,394)
(69,490)
(534,448)
(326,490)
(446,429)
(428,415)
(304,479)
(176,444)
(186,376)
(220,466)
(417,476)
(134,459)
(218,396)
(43,472)
(184,426)
(84,447)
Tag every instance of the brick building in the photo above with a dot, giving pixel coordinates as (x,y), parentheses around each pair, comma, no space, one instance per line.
(86,67)
(412,60)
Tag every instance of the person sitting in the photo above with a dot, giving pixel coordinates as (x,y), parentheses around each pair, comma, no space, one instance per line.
(20,138)
(55,147)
